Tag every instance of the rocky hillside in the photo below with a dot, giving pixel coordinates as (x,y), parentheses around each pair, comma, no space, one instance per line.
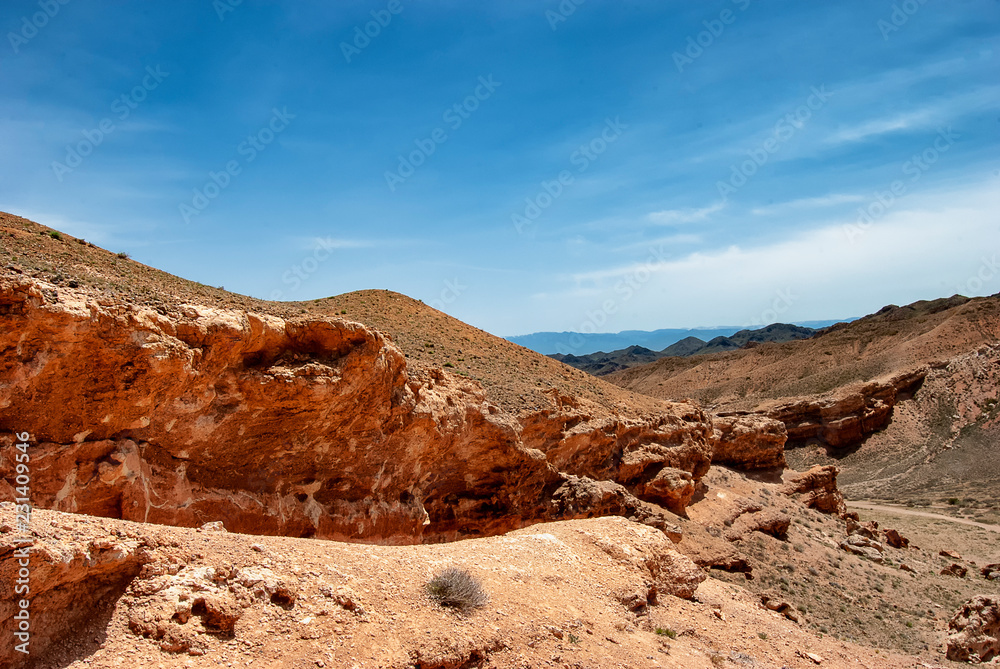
(602,363)
(903,400)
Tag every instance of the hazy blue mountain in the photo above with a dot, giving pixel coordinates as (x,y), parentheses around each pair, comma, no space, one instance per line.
(599,363)
(578,343)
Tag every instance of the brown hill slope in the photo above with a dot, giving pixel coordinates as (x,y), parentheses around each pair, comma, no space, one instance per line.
(875,347)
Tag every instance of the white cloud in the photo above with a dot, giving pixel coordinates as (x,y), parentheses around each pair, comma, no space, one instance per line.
(883,126)
(809,203)
(926,247)
(679,216)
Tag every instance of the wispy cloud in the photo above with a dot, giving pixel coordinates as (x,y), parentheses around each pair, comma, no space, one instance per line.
(683,239)
(681,216)
(808,203)
(882,126)
(309,243)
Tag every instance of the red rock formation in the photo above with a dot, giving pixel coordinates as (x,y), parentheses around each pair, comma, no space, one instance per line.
(299,427)
(895,539)
(816,488)
(845,420)
(975,631)
(578,440)
(748,441)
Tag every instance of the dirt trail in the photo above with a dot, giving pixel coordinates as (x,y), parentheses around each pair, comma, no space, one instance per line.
(922,514)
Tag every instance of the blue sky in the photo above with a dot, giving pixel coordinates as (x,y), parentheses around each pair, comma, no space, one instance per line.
(524,166)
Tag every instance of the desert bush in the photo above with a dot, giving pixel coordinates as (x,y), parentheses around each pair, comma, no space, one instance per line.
(457,588)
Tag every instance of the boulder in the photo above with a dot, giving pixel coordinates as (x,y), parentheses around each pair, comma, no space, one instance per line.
(773,602)
(975,631)
(673,488)
(816,488)
(955,569)
(895,539)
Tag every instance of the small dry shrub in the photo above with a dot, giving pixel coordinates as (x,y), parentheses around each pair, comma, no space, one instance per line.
(457,588)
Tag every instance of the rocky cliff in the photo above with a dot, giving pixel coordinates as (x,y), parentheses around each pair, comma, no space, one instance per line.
(302,427)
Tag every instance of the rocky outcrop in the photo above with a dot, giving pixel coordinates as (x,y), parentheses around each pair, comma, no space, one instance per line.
(865,547)
(774,602)
(578,497)
(301,427)
(975,631)
(847,419)
(578,440)
(64,584)
(768,521)
(748,441)
(816,488)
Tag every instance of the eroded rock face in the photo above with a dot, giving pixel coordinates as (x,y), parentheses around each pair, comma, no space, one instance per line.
(299,427)
(69,583)
(975,631)
(748,441)
(846,420)
(631,451)
(817,489)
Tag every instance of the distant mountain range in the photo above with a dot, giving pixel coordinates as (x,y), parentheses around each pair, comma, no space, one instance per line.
(580,344)
(600,363)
